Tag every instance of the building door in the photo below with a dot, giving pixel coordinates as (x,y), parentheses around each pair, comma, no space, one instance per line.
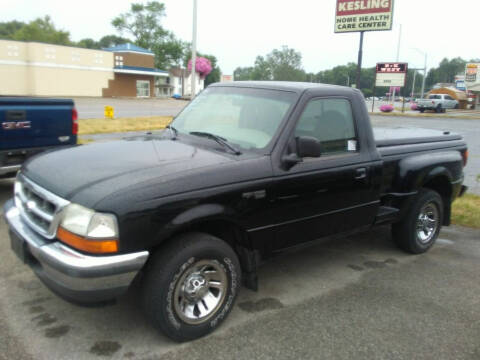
(143,88)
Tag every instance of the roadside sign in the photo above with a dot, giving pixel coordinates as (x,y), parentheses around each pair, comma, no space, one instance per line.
(391,74)
(226,78)
(363,15)
(471,73)
(109,112)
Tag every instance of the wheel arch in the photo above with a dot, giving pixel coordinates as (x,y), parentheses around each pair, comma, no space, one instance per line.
(441,183)
(216,220)
(436,171)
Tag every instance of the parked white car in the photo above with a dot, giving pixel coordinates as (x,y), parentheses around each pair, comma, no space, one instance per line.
(437,102)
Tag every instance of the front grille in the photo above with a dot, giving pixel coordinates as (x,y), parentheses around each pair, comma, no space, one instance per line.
(40,208)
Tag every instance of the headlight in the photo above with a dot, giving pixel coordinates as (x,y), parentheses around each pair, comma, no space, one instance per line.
(87,230)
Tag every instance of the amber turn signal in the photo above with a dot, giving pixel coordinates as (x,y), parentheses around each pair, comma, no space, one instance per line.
(87,245)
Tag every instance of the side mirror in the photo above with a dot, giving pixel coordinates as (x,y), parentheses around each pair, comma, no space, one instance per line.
(308,146)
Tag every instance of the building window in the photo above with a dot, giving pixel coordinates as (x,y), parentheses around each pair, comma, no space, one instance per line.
(98,58)
(12,50)
(143,88)
(118,60)
(49,53)
(75,55)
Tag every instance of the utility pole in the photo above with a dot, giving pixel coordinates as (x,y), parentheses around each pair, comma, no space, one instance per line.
(413,85)
(398,57)
(424,69)
(424,74)
(194,49)
(359,63)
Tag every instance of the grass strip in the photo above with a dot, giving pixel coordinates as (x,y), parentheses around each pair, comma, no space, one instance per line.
(104,126)
(466,211)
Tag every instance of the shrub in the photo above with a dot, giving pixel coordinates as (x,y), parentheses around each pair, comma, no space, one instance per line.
(386,108)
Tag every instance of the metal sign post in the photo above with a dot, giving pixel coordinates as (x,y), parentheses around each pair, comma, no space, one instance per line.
(361,16)
(359,63)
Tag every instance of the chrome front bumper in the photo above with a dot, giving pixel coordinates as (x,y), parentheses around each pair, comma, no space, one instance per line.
(74,276)
(10,169)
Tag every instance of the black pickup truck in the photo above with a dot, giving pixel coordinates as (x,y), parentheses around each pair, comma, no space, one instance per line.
(246,170)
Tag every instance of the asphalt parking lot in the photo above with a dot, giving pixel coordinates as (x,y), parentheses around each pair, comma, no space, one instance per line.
(354,298)
(93,108)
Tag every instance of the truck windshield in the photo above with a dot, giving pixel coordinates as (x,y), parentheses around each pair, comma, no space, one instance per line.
(246,117)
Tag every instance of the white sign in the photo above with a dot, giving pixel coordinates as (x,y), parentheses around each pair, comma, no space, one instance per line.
(363,15)
(391,74)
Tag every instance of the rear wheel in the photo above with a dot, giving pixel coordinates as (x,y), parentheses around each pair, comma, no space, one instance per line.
(422,110)
(419,230)
(438,109)
(190,286)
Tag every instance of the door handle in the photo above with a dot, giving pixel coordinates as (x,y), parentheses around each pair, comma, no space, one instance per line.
(360,173)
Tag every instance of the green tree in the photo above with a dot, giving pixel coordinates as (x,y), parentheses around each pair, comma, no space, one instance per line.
(262,69)
(88,43)
(243,73)
(286,65)
(446,71)
(112,40)
(42,30)
(283,64)
(143,23)
(7,29)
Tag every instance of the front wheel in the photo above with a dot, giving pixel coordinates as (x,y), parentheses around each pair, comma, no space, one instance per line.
(419,230)
(438,109)
(190,285)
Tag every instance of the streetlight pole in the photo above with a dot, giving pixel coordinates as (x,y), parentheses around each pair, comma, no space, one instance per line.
(194,49)
(424,74)
(398,57)
(424,69)
(413,85)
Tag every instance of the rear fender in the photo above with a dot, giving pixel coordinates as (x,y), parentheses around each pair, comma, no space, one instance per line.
(415,171)
(442,168)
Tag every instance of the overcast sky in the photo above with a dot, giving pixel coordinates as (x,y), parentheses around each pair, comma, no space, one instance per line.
(237,31)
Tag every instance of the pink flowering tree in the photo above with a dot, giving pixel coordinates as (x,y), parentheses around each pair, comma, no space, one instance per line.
(202,65)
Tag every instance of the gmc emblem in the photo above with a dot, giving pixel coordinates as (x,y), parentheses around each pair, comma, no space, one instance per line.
(14,125)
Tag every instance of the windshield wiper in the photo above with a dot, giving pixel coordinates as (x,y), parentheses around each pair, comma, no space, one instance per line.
(173,131)
(222,141)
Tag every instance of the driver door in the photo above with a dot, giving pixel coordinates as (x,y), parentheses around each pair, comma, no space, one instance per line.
(330,194)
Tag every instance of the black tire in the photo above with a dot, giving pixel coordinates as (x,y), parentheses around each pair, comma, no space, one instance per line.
(456,106)
(173,266)
(438,109)
(406,232)
(422,110)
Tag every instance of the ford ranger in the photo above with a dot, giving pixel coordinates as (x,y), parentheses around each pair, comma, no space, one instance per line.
(32,125)
(247,169)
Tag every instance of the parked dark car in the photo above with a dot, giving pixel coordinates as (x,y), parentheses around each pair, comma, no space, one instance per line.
(32,125)
(246,170)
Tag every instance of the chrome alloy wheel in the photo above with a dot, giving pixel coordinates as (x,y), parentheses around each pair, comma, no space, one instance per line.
(427,222)
(200,291)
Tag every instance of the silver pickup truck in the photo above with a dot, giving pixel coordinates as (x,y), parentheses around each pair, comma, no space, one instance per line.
(437,102)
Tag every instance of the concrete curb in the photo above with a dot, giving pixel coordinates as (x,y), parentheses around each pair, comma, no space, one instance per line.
(420,115)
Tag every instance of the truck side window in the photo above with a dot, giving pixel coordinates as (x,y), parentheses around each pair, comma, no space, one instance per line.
(330,121)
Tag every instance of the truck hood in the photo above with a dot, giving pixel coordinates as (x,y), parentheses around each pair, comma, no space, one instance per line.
(86,174)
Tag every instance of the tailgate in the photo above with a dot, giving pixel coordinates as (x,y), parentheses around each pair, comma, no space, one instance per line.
(27,123)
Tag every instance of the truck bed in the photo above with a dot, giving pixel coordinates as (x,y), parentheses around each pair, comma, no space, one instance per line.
(386,137)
